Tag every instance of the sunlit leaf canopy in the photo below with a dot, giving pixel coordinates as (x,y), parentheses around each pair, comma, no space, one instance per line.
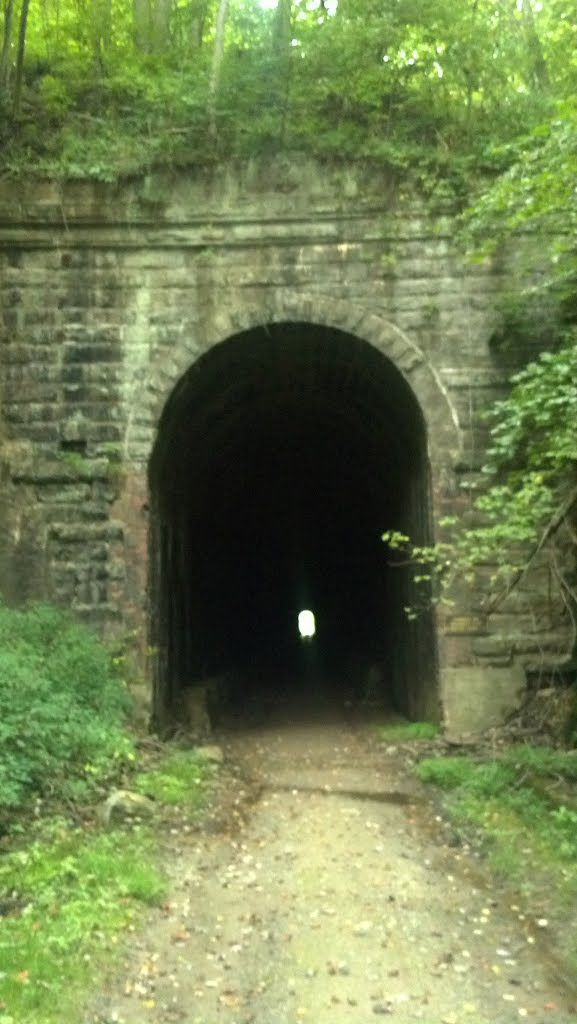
(115,87)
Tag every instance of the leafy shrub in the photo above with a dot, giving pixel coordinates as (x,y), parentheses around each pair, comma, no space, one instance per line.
(543,761)
(446,772)
(505,793)
(61,706)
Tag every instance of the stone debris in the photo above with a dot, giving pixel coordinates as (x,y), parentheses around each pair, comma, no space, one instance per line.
(123,805)
(210,752)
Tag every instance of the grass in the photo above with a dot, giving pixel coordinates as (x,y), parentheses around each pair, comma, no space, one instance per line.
(69,896)
(517,808)
(68,893)
(181,779)
(400,732)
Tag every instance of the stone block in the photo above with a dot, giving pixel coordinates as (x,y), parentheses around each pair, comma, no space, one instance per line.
(493,646)
(60,470)
(467,624)
(552,642)
(81,533)
(475,698)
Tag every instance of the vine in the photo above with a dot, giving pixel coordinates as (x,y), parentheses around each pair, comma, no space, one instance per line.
(529,506)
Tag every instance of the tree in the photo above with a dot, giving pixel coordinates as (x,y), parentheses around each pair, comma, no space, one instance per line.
(438,85)
(19,74)
(152,25)
(217,58)
(5,54)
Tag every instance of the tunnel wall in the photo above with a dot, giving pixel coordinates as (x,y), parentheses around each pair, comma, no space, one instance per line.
(110,294)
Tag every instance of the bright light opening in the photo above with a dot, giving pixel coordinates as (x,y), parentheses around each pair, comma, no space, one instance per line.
(307,626)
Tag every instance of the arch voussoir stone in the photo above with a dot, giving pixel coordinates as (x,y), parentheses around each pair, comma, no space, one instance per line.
(285,305)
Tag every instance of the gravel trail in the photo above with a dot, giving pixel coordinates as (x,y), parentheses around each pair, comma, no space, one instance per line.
(335,901)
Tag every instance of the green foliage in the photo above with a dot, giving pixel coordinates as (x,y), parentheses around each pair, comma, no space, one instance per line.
(434,88)
(180,779)
(399,732)
(510,791)
(534,198)
(517,808)
(530,464)
(531,483)
(535,426)
(70,892)
(504,803)
(431,564)
(61,708)
(565,827)
(544,762)
(68,895)
(446,772)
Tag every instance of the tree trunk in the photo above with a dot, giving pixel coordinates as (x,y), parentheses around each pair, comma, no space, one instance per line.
(20,55)
(160,21)
(151,25)
(101,29)
(217,55)
(141,25)
(538,64)
(281,47)
(6,46)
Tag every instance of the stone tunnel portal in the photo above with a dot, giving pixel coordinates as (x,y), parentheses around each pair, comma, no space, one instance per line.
(281,457)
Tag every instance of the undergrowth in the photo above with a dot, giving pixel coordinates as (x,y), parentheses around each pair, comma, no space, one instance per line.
(66,897)
(62,705)
(70,888)
(70,894)
(521,809)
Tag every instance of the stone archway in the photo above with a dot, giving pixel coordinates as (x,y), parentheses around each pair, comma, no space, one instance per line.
(284,305)
(277,426)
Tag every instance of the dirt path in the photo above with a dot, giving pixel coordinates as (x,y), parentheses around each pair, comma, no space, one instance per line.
(337,901)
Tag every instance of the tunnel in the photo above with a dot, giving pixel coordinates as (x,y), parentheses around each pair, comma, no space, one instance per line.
(281,456)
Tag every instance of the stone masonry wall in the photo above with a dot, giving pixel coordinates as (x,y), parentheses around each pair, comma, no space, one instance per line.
(108,295)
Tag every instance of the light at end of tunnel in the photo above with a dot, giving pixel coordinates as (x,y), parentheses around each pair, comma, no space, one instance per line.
(307,625)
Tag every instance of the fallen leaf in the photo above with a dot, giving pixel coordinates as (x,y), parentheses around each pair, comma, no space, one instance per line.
(231,1000)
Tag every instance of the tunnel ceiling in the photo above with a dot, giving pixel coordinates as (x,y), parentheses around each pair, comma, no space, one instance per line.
(266,398)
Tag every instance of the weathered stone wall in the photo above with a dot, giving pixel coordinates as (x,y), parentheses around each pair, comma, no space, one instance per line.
(109,296)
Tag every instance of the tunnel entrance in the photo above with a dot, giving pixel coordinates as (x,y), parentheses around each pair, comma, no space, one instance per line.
(281,457)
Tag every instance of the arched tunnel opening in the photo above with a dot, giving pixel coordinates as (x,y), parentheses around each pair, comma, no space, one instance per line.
(281,457)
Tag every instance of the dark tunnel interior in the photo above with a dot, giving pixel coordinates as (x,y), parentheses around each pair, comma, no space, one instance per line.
(281,457)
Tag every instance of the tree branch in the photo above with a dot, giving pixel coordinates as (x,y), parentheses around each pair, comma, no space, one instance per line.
(550,530)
